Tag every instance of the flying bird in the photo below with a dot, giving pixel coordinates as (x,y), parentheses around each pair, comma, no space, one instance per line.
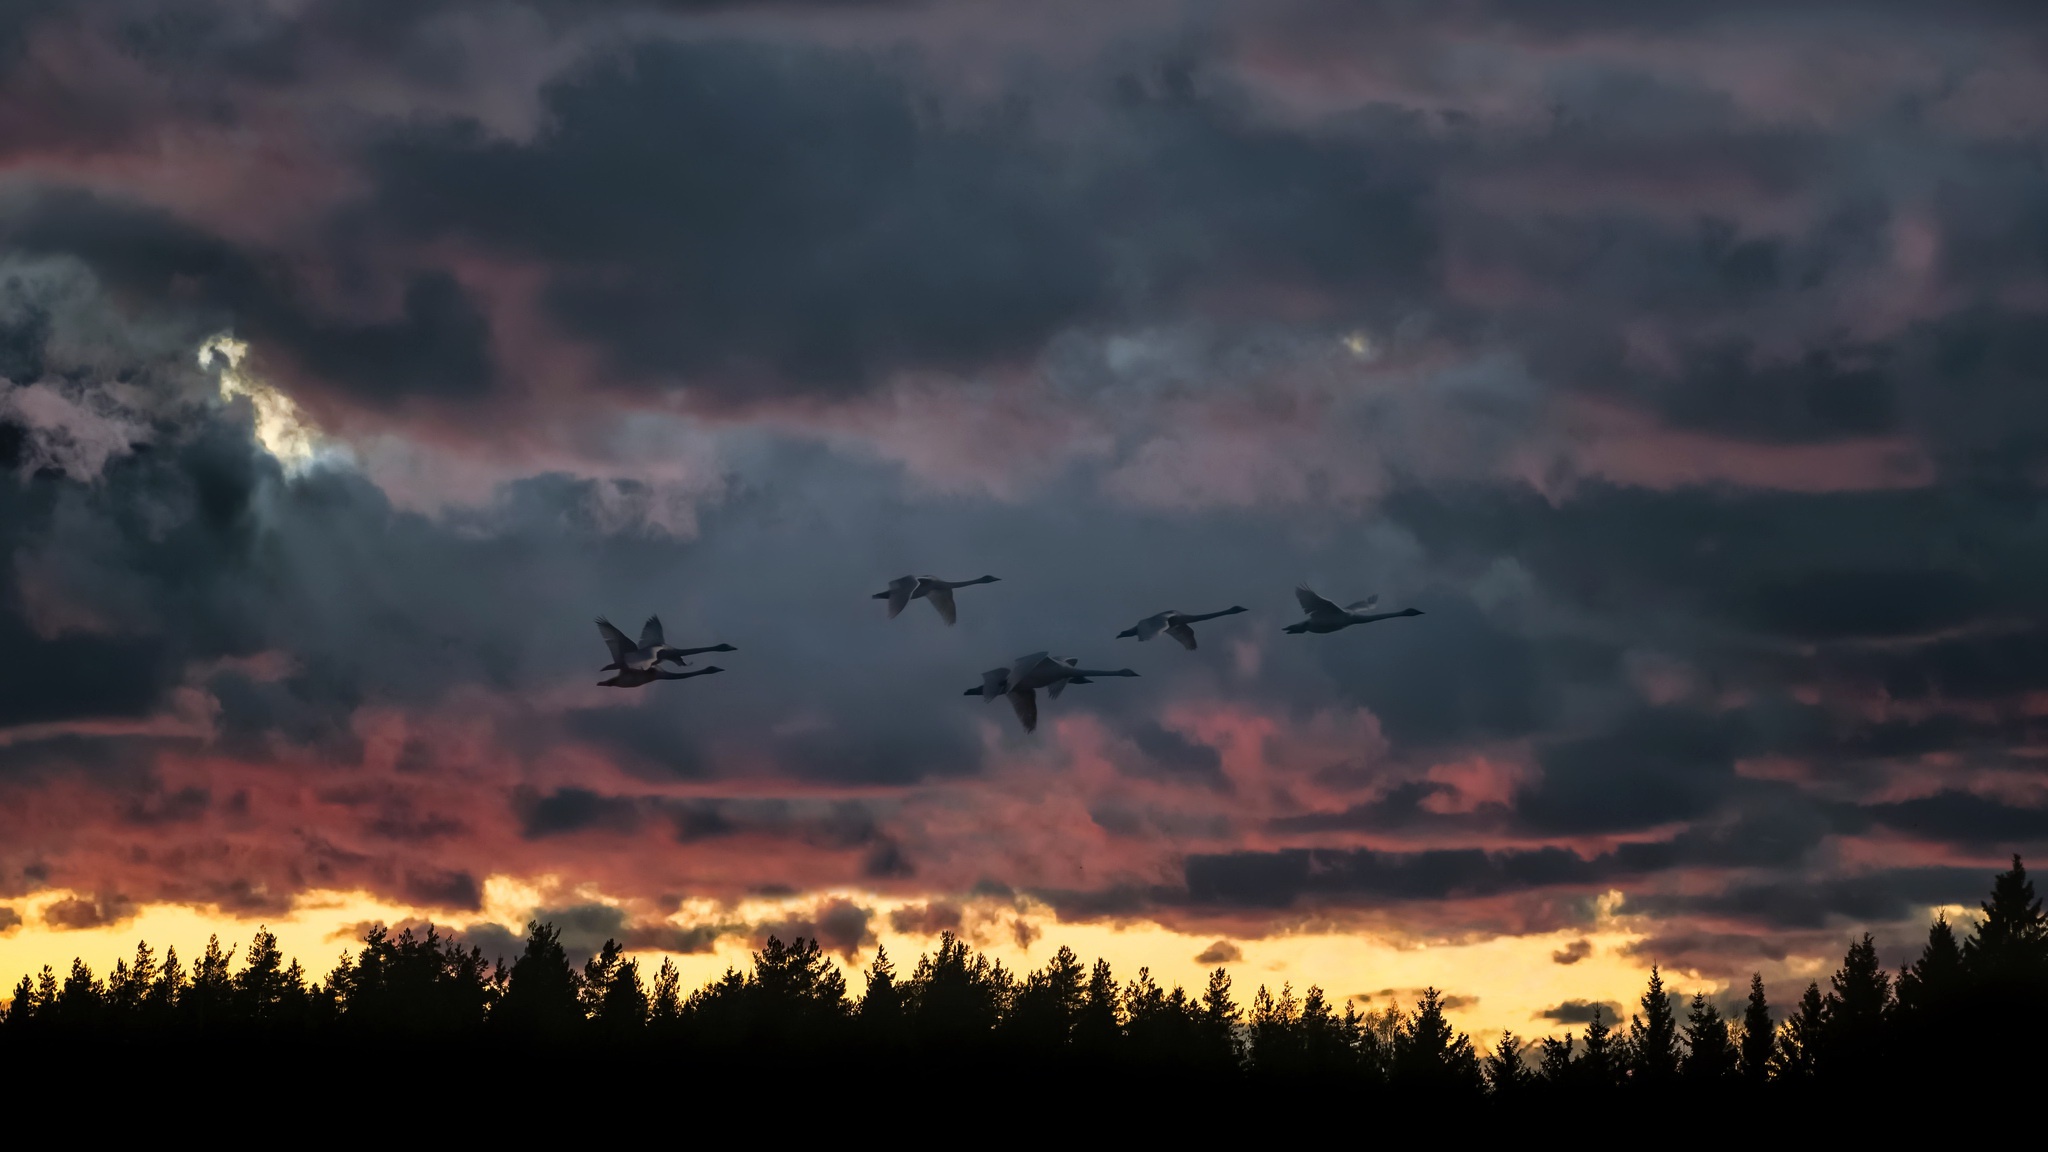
(1175,624)
(903,589)
(639,677)
(650,652)
(1323,616)
(1021,680)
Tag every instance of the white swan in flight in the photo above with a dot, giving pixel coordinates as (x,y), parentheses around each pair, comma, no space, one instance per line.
(1175,624)
(1323,616)
(1022,678)
(903,589)
(638,677)
(651,651)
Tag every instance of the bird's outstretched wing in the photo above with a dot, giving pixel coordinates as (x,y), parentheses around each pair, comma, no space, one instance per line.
(614,639)
(942,599)
(650,633)
(1359,605)
(899,593)
(1059,686)
(1151,626)
(1311,603)
(1184,634)
(994,683)
(1025,701)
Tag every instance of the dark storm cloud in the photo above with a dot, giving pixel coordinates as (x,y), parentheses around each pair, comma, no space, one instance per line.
(1654,767)
(760,217)
(1964,818)
(1583,1012)
(777,213)
(1816,902)
(436,345)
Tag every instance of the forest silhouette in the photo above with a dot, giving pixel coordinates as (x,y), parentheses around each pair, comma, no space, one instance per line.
(1967,1012)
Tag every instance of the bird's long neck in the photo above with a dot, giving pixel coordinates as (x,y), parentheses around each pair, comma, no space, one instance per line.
(1073,672)
(1369,617)
(694,651)
(1196,619)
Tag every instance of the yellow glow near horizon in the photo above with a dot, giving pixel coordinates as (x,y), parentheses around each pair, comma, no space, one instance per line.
(282,429)
(1501,982)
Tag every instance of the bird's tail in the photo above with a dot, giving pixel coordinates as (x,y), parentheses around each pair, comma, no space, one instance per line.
(1295,629)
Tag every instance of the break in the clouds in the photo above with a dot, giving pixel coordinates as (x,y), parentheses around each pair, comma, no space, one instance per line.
(1683,366)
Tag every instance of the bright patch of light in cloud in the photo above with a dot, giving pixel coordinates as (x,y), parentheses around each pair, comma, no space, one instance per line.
(282,429)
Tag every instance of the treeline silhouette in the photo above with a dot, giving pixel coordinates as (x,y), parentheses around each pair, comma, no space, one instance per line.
(1966,1009)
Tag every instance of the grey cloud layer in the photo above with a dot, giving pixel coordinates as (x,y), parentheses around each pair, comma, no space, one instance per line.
(1729,676)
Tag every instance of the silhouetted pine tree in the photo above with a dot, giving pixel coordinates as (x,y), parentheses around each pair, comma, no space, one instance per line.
(541,994)
(81,1000)
(1272,1040)
(2010,943)
(881,1009)
(267,991)
(1709,1056)
(1045,1009)
(1653,1038)
(1799,1039)
(1099,1027)
(128,988)
(1508,1075)
(209,1001)
(1759,1043)
(1217,1027)
(956,996)
(161,1006)
(665,1005)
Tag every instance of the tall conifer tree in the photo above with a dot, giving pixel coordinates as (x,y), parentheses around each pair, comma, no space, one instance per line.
(1653,1038)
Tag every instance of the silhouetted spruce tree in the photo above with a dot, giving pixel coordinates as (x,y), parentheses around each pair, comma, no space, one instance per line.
(1599,1065)
(1430,1056)
(1554,1065)
(1799,1039)
(1329,1042)
(1759,1041)
(1709,1056)
(1217,1027)
(1931,984)
(2009,945)
(540,996)
(623,1010)
(598,972)
(1653,1038)
(1858,1000)
(1508,1074)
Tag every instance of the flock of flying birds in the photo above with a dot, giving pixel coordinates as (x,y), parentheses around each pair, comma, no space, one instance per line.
(639,664)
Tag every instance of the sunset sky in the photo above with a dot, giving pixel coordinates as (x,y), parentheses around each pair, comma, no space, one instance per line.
(1686,364)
